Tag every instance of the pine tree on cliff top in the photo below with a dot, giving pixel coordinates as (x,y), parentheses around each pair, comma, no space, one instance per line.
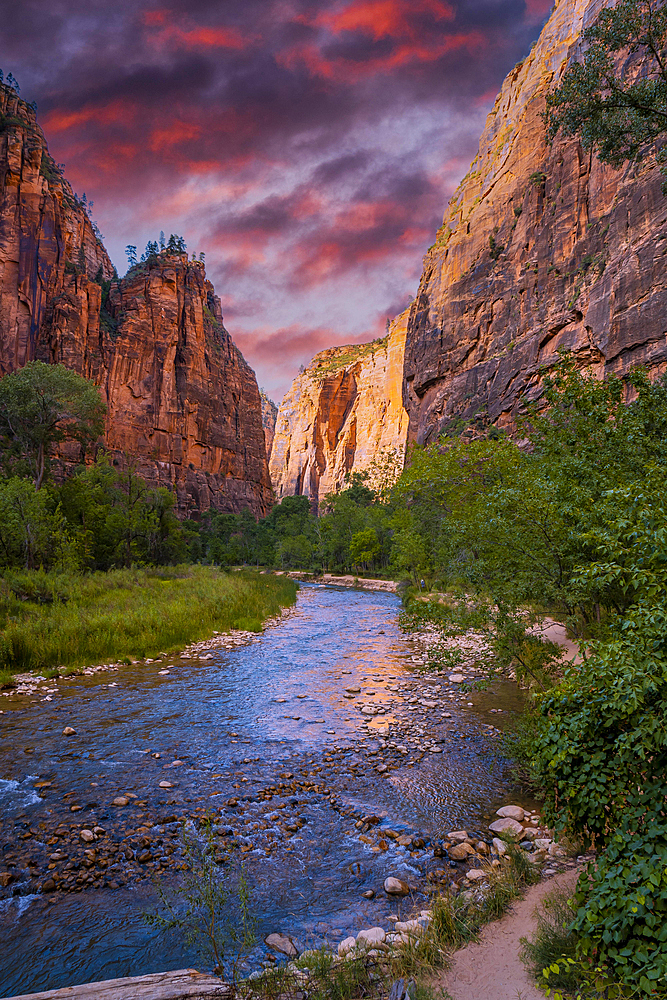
(617,106)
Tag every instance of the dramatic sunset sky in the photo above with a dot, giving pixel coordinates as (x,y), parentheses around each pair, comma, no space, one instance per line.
(307,147)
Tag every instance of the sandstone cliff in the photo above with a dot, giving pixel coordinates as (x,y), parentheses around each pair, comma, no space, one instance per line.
(340,415)
(183,405)
(269,415)
(542,247)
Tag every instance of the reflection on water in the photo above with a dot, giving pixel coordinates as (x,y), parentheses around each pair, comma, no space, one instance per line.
(224,727)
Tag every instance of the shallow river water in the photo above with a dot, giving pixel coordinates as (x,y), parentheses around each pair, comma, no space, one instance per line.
(265,735)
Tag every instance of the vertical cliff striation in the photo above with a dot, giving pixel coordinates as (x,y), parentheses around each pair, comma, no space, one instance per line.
(542,248)
(269,415)
(183,405)
(340,415)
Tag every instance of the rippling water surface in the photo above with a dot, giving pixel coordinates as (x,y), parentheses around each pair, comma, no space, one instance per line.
(237,722)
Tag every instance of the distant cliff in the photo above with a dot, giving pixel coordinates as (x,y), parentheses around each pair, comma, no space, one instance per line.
(541,248)
(340,415)
(269,415)
(183,405)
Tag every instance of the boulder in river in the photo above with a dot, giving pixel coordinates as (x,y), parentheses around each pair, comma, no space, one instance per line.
(459,852)
(513,812)
(507,825)
(346,946)
(282,943)
(371,936)
(396,886)
(458,836)
(68,731)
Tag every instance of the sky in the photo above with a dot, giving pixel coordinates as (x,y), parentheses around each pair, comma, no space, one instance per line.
(307,147)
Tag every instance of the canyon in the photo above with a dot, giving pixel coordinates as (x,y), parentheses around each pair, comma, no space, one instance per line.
(542,248)
(344,414)
(183,407)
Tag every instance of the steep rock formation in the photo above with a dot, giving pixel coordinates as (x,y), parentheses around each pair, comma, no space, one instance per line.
(269,414)
(183,405)
(340,415)
(542,248)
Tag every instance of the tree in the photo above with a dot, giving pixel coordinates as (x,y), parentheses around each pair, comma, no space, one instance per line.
(41,406)
(364,547)
(131,252)
(617,106)
(31,533)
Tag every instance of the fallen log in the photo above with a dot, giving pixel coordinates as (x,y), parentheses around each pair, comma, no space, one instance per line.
(183,984)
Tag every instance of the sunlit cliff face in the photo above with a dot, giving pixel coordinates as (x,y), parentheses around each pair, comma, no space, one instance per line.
(308,147)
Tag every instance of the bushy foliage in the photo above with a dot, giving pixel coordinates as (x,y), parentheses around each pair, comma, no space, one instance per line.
(574,524)
(41,406)
(617,105)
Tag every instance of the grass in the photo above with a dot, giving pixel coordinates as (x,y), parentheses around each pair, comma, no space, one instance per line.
(321,975)
(56,623)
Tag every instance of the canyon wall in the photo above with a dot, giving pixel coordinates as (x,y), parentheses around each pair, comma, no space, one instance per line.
(269,416)
(182,404)
(340,415)
(542,248)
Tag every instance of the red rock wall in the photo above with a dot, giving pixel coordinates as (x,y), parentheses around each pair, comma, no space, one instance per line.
(582,264)
(341,415)
(183,405)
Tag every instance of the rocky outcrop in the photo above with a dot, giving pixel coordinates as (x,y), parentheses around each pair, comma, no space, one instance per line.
(341,414)
(182,404)
(542,248)
(269,415)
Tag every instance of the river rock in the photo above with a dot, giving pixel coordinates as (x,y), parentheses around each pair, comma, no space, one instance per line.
(513,812)
(499,846)
(282,943)
(5,879)
(542,843)
(120,800)
(456,678)
(459,852)
(396,886)
(475,874)
(68,731)
(346,946)
(165,784)
(507,825)
(369,894)
(458,836)
(87,836)
(371,936)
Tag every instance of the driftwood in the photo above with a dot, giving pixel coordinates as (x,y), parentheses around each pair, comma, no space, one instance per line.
(183,984)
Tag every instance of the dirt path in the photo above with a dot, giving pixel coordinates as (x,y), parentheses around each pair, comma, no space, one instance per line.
(490,968)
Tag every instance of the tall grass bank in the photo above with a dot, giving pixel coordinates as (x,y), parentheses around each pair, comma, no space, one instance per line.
(56,622)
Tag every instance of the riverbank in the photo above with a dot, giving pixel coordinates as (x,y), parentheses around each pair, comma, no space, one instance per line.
(331,580)
(57,623)
(327,761)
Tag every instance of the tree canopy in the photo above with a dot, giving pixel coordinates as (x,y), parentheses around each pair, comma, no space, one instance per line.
(617,106)
(40,406)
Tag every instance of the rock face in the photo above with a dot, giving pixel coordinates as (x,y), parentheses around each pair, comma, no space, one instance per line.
(340,415)
(182,404)
(542,248)
(269,415)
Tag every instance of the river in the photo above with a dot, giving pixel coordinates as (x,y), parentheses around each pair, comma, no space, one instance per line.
(267,736)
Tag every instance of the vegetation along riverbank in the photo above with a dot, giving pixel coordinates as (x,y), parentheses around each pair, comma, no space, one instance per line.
(58,622)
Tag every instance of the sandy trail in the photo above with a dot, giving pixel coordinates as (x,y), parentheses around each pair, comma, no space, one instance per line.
(490,968)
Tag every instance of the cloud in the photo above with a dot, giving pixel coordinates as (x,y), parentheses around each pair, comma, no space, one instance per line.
(309,147)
